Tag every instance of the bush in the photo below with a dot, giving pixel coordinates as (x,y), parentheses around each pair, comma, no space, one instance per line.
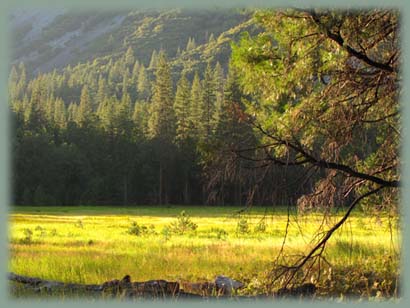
(183,224)
(27,236)
(166,233)
(53,232)
(220,233)
(79,224)
(242,226)
(136,229)
(41,230)
(260,227)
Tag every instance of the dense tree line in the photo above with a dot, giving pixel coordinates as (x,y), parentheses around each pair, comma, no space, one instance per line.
(116,132)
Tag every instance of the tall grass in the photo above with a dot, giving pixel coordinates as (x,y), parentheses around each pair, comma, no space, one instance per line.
(93,245)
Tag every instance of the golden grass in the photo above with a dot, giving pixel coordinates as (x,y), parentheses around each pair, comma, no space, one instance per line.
(91,245)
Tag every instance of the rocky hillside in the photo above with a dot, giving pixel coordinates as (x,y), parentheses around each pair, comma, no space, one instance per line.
(48,39)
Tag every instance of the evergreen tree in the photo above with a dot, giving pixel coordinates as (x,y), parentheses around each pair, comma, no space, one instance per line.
(135,72)
(22,80)
(49,110)
(218,76)
(191,44)
(182,109)
(60,114)
(106,113)
(178,52)
(140,118)
(143,84)
(129,58)
(72,112)
(85,110)
(196,106)
(154,60)
(208,104)
(161,124)
(211,39)
(102,91)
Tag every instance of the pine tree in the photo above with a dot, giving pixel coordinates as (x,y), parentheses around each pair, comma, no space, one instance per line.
(125,83)
(135,72)
(123,115)
(196,106)
(143,84)
(72,112)
(49,109)
(154,60)
(211,39)
(105,114)
(60,114)
(182,109)
(178,52)
(208,104)
(191,44)
(22,80)
(85,110)
(140,118)
(129,58)
(161,123)
(102,91)
(162,120)
(218,76)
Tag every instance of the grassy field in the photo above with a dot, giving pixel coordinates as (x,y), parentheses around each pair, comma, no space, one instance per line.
(95,244)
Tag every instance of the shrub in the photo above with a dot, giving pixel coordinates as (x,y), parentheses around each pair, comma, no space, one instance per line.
(183,224)
(27,236)
(136,229)
(260,227)
(79,224)
(242,226)
(53,232)
(220,233)
(166,233)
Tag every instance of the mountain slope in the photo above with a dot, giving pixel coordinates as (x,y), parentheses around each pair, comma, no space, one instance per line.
(45,40)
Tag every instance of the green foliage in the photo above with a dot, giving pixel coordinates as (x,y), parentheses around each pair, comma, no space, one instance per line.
(166,233)
(307,108)
(161,122)
(183,224)
(242,226)
(220,233)
(79,224)
(141,230)
(260,227)
(28,237)
(134,229)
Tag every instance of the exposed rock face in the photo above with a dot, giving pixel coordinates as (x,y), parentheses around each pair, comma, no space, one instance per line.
(226,285)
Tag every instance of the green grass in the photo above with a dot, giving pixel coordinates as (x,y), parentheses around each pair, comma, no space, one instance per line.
(92,244)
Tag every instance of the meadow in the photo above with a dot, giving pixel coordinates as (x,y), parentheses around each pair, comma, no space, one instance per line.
(86,244)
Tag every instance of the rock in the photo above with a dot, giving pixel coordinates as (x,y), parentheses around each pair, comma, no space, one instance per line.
(225,285)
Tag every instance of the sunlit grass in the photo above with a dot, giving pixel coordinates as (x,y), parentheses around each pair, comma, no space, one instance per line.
(92,245)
